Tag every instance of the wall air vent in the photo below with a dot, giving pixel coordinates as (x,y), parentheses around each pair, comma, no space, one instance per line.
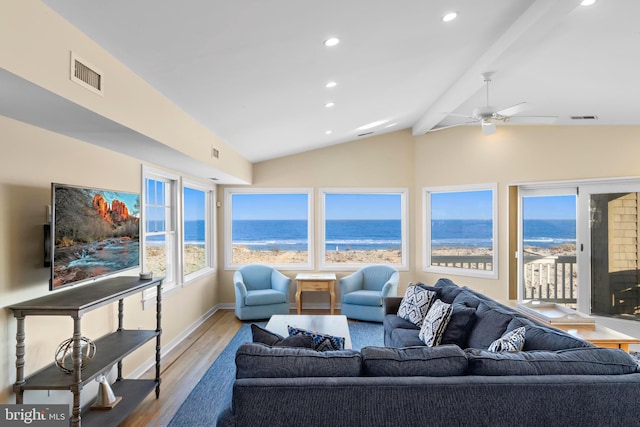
(584,117)
(86,75)
(365,134)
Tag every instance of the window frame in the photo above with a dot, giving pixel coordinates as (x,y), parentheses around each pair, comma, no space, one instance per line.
(427,241)
(229,192)
(404,223)
(173,180)
(209,191)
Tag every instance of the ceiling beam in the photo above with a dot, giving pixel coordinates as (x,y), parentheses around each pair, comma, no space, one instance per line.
(534,24)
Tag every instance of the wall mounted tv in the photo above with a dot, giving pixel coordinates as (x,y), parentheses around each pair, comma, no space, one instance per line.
(94,233)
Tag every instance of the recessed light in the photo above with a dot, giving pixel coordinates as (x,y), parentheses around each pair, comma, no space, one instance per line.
(329,104)
(331,84)
(449,17)
(332,41)
(587,2)
(372,124)
(328,132)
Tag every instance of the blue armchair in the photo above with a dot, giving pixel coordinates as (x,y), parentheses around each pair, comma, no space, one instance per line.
(363,291)
(261,291)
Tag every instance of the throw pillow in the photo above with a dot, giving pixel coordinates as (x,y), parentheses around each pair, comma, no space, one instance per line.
(263,336)
(415,304)
(511,341)
(460,325)
(321,342)
(435,323)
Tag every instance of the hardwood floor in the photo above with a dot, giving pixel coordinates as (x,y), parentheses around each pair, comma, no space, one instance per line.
(182,368)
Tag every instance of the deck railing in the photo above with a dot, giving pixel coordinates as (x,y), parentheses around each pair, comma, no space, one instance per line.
(546,278)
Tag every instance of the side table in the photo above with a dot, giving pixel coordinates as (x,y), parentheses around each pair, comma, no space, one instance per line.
(318,282)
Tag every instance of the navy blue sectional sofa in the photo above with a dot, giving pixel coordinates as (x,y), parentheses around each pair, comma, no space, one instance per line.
(557,380)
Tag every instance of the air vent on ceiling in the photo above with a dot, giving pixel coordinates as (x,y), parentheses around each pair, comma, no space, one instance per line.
(584,117)
(86,75)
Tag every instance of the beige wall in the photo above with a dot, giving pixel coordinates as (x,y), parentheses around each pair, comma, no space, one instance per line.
(31,160)
(458,156)
(384,161)
(518,154)
(35,44)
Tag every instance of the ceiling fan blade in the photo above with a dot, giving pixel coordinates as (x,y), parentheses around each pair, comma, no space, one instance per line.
(541,120)
(448,126)
(466,116)
(514,109)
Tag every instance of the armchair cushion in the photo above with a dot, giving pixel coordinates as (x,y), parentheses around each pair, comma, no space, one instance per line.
(363,298)
(264,296)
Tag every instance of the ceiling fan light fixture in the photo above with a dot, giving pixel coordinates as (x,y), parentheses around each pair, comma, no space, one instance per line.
(331,41)
(488,127)
(448,17)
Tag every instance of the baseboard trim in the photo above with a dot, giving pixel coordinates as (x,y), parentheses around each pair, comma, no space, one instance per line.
(137,373)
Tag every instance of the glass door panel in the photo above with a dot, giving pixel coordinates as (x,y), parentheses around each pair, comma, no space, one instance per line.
(547,247)
(614,235)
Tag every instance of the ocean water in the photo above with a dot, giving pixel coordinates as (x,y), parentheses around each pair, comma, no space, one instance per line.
(386,234)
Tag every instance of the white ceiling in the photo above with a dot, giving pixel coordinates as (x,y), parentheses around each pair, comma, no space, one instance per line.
(254,71)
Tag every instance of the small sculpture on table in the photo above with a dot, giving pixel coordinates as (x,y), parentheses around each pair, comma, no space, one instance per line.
(64,354)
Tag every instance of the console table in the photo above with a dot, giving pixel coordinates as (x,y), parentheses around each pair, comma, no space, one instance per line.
(315,282)
(111,348)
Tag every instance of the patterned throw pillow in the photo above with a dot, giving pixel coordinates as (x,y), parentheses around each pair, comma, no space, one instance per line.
(321,342)
(415,304)
(435,323)
(264,336)
(511,341)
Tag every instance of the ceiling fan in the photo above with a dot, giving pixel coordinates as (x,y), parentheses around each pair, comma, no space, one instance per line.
(488,115)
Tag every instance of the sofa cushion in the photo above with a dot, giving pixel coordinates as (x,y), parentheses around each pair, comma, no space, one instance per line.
(490,324)
(255,360)
(448,290)
(415,303)
(321,342)
(435,323)
(541,338)
(441,361)
(467,298)
(460,324)
(405,338)
(264,336)
(511,341)
(573,361)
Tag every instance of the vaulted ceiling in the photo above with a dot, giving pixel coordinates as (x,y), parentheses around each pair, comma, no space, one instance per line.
(255,72)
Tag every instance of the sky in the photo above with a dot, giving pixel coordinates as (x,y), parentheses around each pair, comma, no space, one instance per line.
(445,205)
(295,206)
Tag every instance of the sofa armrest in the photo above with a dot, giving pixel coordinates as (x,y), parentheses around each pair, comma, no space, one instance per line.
(391,304)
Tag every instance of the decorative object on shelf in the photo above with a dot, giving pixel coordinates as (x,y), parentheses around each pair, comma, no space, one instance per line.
(64,354)
(105,398)
(146,275)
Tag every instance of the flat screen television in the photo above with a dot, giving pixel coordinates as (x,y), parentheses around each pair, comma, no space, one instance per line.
(94,233)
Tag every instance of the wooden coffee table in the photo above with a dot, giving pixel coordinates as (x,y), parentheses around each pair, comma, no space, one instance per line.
(331,325)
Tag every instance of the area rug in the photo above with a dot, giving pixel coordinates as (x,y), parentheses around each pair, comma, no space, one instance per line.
(213,393)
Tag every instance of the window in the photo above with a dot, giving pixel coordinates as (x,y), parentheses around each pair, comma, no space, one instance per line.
(460,226)
(197,226)
(269,226)
(159,227)
(363,226)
